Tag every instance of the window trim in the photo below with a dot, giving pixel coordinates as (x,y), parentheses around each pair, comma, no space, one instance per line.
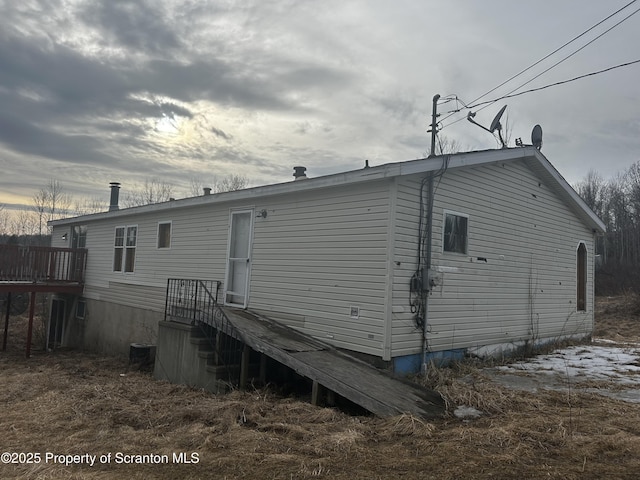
(78,315)
(444,225)
(79,236)
(582,282)
(167,222)
(124,247)
(117,247)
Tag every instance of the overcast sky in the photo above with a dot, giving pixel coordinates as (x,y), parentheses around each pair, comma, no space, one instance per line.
(126,90)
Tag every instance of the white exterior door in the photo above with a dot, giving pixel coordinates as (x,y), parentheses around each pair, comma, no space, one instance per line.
(239,259)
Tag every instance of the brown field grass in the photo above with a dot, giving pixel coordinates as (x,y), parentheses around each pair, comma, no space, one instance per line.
(76,403)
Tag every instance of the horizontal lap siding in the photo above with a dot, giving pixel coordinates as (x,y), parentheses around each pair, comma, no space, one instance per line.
(198,250)
(314,256)
(319,253)
(527,287)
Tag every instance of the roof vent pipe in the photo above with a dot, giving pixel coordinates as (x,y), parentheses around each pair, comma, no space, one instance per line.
(115,194)
(298,173)
(206,190)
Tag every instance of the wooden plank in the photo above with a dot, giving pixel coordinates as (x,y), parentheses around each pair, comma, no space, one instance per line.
(373,389)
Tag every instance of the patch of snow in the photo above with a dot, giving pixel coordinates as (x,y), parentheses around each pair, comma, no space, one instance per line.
(465,411)
(567,367)
(589,362)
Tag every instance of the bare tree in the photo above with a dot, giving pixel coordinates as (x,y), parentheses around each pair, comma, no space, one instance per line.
(231,183)
(89,206)
(50,202)
(228,183)
(152,191)
(593,190)
(24,223)
(4,221)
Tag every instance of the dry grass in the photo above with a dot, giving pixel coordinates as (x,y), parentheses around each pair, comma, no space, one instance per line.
(75,403)
(618,318)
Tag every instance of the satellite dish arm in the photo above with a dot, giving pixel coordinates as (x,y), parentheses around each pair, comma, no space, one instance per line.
(470,118)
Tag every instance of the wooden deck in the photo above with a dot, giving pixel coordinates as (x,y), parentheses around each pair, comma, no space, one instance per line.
(35,270)
(374,389)
(41,269)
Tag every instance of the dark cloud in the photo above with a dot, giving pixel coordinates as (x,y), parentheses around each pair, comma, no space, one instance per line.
(219,133)
(133,24)
(31,139)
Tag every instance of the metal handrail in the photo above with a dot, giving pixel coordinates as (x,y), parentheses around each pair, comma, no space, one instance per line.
(194,302)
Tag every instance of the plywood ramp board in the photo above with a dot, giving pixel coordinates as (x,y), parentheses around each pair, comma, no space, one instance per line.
(373,389)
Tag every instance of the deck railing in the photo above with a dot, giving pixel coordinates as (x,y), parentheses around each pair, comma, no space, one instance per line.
(42,264)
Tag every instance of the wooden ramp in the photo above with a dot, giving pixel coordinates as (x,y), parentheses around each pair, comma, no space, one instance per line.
(359,382)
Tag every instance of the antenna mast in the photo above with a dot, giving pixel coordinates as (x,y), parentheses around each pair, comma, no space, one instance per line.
(434,124)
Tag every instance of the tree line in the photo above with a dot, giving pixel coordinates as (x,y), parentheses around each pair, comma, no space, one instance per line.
(53,201)
(617,202)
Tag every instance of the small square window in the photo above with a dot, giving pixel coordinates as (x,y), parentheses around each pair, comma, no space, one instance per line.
(455,233)
(164,235)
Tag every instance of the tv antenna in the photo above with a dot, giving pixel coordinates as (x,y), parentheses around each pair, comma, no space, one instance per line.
(495,124)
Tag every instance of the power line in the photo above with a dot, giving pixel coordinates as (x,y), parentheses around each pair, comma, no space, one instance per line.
(568,56)
(552,53)
(562,82)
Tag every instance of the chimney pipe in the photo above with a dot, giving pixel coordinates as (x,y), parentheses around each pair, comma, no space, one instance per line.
(206,190)
(298,173)
(115,193)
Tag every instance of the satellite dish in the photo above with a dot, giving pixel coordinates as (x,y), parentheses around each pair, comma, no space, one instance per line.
(536,137)
(495,124)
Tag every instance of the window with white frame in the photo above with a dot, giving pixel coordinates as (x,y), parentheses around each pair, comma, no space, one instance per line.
(118,249)
(79,236)
(164,235)
(455,238)
(124,254)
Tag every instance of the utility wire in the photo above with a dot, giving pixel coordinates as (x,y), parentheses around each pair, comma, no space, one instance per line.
(552,53)
(568,56)
(562,82)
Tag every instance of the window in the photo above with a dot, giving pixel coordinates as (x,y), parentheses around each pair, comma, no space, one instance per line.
(130,253)
(81,308)
(164,235)
(126,239)
(455,233)
(79,236)
(118,250)
(581,267)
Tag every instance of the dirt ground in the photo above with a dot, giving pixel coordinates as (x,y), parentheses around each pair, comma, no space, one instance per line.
(101,410)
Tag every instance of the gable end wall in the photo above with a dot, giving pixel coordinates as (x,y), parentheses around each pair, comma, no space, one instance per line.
(526,289)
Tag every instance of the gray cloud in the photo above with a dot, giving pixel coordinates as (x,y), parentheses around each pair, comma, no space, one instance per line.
(85,86)
(135,25)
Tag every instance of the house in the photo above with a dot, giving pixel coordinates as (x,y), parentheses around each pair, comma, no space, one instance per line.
(346,258)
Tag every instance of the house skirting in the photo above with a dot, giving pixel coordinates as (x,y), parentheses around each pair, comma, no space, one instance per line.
(111,328)
(411,364)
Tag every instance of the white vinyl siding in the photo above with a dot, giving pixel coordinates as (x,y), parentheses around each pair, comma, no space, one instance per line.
(317,256)
(314,256)
(526,288)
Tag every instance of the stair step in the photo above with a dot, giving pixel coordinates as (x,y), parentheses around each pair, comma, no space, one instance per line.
(208,355)
(201,341)
(234,370)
